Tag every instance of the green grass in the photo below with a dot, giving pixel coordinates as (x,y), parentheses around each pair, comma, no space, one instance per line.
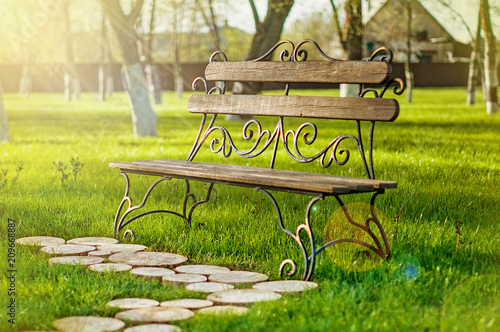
(444,156)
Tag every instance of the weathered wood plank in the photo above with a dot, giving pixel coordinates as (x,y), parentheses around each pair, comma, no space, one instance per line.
(200,173)
(353,108)
(253,176)
(355,72)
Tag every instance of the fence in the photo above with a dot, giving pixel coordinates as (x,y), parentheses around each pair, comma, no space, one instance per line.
(49,78)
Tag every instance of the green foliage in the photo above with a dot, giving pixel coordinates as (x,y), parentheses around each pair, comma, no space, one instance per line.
(443,155)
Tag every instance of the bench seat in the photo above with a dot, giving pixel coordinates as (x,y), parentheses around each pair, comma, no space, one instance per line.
(265,178)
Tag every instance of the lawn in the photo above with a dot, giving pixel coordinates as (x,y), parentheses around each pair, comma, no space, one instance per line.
(443,154)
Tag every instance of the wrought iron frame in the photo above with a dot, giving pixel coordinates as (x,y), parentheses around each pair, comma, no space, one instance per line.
(264,138)
(186,214)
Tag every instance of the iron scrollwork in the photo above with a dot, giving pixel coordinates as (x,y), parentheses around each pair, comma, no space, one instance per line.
(186,215)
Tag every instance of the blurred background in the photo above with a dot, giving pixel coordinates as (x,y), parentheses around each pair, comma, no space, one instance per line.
(46,40)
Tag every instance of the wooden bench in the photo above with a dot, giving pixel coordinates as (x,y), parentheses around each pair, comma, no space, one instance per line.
(368,106)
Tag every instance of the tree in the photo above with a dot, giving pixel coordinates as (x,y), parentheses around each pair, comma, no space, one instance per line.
(267,34)
(350,37)
(475,58)
(4,123)
(123,26)
(72,86)
(490,63)
(408,71)
(151,68)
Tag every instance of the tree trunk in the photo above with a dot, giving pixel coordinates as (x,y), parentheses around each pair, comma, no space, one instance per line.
(101,70)
(473,66)
(490,65)
(143,116)
(267,34)
(25,82)
(350,38)
(152,75)
(71,81)
(408,72)
(4,122)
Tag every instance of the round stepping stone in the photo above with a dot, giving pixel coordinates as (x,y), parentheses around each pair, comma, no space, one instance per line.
(93,241)
(100,253)
(284,286)
(110,267)
(205,270)
(155,314)
(147,258)
(41,241)
(154,328)
(76,260)
(188,303)
(224,310)
(242,296)
(208,287)
(68,250)
(238,277)
(132,303)
(120,247)
(89,324)
(184,278)
(151,272)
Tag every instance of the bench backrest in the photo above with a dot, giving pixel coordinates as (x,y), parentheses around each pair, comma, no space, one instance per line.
(293,68)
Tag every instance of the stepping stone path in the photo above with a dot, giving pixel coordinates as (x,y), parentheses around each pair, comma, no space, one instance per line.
(151,272)
(132,303)
(121,247)
(188,303)
(242,296)
(110,267)
(76,260)
(155,314)
(205,270)
(68,250)
(208,287)
(285,286)
(89,324)
(93,241)
(184,278)
(41,241)
(154,328)
(100,253)
(151,265)
(224,310)
(148,258)
(238,277)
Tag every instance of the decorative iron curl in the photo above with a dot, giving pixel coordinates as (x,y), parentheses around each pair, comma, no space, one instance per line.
(217,53)
(387,57)
(309,138)
(225,145)
(283,55)
(300,54)
(398,87)
(196,86)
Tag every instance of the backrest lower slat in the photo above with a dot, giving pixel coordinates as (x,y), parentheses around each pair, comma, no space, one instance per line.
(354,108)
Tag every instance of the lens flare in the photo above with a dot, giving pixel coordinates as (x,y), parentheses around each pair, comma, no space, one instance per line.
(352,247)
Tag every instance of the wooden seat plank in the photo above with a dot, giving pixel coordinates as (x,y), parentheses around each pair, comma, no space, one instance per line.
(248,180)
(354,72)
(353,183)
(255,177)
(348,108)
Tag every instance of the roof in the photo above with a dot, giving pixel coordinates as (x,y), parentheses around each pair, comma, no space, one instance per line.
(466,10)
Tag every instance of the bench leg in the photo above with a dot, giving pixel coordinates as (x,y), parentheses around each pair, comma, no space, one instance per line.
(381,247)
(309,260)
(120,218)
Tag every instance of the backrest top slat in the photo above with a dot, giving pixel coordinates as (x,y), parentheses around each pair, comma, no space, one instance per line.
(353,72)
